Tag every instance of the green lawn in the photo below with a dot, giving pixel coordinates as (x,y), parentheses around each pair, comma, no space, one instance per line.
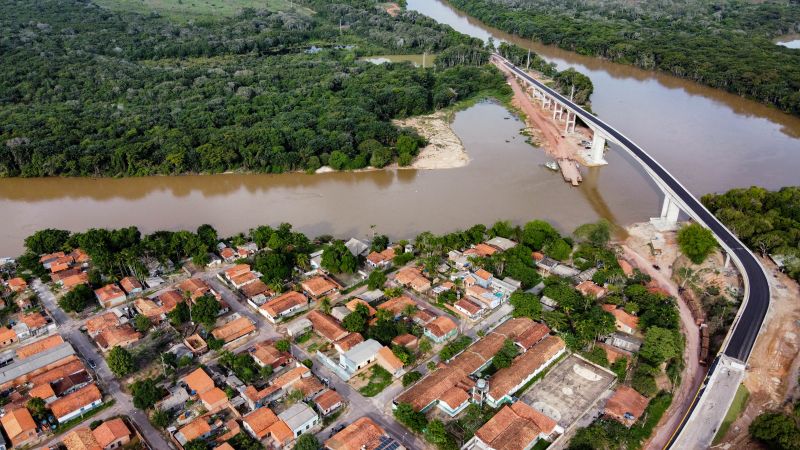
(379,378)
(186,10)
(739,402)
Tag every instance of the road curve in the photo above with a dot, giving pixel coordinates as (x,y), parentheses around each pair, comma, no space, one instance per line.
(755,304)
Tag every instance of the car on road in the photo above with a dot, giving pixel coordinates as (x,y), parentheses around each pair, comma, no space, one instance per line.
(337,429)
(92,364)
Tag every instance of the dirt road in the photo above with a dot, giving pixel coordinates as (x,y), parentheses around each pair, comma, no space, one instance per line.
(692,374)
(773,365)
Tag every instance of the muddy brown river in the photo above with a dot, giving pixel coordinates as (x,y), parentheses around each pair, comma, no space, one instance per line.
(710,140)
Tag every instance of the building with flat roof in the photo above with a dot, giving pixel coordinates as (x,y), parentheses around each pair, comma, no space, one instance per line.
(360,356)
(299,418)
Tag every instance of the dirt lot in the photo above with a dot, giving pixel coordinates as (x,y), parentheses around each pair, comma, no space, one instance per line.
(773,364)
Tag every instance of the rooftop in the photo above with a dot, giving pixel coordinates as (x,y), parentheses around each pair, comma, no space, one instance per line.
(260,421)
(284,302)
(363,434)
(351,340)
(234,329)
(81,438)
(318,285)
(109,431)
(39,346)
(626,405)
(326,326)
(328,400)
(17,421)
(108,292)
(515,427)
(441,326)
(199,381)
(76,400)
(506,379)
(297,415)
(130,284)
(102,322)
(194,429)
(363,352)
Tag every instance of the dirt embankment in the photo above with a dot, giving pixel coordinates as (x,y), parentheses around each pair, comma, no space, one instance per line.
(547,132)
(646,247)
(393,9)
(444,150)
(772,374)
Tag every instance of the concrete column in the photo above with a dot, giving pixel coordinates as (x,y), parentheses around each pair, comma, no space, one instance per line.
(727,260)
(596,153)
(571,118)
(558,112)
(670,210)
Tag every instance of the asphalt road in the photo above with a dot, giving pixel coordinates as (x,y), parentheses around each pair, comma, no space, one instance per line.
(746,328)
(69,328)
(747,325)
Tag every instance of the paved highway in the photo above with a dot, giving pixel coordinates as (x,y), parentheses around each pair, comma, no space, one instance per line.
(747,324)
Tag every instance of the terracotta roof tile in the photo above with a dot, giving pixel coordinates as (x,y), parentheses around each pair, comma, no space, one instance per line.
(81,438)
(328,400)
(39,346)
(17,421)
(199,381)
(441,326)
(624,401)
(284,302)
(361,434)
(534,359)
(260,421)
(234,329)
(110,431)
(326,326)
(75,400)
(622,317)
(349,341)
(318,286)
(42,391)
(196,428)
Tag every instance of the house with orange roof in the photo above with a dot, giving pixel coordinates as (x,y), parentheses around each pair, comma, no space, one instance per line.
(169,300)
(353,304)
(17,284)
(346,343)
(121,336)
(244,279)
(589,289)
(131,286)
(381,260)
(507,381)
(309,387)
(49,259)
(327,402)
(397,305)
(256,292)
(80,256)
(76,403)
(235,271)
(44,392)
(483,297)
(481,277)
(80,438)
(481,250)
(110,295)
(515,427)
(234,330)
(199,428)
(58,277)
(7,336)
(196,344)
(320,286)
(455,374)
(259,422)
(196,288)
(228,254)
(468,308)
(149,309)
(625,405)
(19,426)
(213,399)
(407,340)
(36,323)
(112,434)
(626,267)
(101,322)
(198,381)
(70,282)
(326,326)
(441,329)
(39,346)
(287,380)
(257,398)
(265,354)
(363,434)
(625,322)
(412,277)
(387,359)
(284,305)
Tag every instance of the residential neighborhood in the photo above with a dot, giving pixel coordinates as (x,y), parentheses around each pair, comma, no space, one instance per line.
(349,345)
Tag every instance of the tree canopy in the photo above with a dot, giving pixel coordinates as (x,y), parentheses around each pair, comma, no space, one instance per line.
(696,242)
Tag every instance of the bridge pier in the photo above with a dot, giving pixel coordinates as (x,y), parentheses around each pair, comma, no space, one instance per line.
(558,112)
(670,210)
(571,119)
(596,153)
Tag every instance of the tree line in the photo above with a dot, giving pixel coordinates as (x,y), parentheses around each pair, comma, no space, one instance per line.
(90,92)
(725,44)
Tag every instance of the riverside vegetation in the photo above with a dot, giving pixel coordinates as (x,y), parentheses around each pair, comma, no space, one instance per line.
(92,91)
(725,44)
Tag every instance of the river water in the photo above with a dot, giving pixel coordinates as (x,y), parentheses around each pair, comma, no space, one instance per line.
(711,140)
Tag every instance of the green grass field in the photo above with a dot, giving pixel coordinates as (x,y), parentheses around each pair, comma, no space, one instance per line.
(186,10)
(739,402)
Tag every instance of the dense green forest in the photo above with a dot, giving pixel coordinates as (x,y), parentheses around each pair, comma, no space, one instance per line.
(727,44)
(90,91)
(766,221)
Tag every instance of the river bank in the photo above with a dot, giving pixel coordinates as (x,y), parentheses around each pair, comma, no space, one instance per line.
(444,150)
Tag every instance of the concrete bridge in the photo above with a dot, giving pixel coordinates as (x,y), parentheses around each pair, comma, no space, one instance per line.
(713,398)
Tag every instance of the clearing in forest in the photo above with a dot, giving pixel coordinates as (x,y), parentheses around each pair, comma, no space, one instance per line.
(186,10)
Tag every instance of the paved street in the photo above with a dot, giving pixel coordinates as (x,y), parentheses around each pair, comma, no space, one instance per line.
(69,328)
